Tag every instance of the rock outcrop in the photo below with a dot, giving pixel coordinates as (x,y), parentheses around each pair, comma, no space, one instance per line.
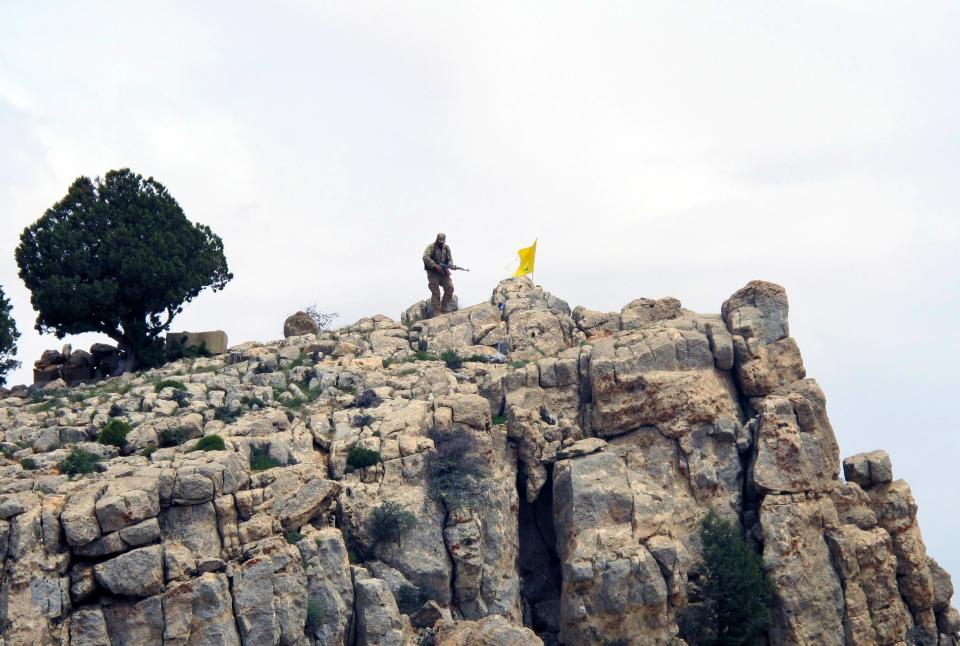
(542,482)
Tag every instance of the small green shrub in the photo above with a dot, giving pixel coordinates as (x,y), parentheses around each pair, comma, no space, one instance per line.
(224,415)
(28,463)
(359,457)
(114,433)
(390,520)
(260,459)
(149,450)
(423,355)
(212,442)
(293,536)
(48,405)
(452,359)
(519,363)
(7,452)
(499,419)
(736,593)
(477,358)
(456,470)
(168,383)
(172,437)
(295,403)
(409,598)
(79,462)
(316,614)
(251,401)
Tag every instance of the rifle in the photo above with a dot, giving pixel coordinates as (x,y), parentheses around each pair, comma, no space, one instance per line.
(447,268)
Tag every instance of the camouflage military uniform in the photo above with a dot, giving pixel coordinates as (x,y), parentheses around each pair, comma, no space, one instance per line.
(437,254)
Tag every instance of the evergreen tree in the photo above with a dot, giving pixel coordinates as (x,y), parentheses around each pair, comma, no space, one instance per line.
(736,593)
(118,256)
(8,339)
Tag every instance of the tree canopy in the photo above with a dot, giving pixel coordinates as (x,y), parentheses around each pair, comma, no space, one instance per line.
(118,255)
(737,596)
(8,339)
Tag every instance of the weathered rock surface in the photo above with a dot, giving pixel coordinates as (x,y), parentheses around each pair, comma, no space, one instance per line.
(592,446)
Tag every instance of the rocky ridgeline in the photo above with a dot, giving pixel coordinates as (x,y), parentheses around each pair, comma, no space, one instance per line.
(606,438)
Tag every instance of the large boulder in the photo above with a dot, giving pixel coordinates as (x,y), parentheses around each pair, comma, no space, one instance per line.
(488,631)
(299,324)
(138,573)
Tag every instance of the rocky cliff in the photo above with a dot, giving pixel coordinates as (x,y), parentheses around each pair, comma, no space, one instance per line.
(597,443)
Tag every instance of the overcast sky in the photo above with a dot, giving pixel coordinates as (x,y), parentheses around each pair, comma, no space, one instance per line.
(653,148)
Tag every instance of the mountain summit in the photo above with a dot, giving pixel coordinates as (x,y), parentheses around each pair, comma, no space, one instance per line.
(514,472)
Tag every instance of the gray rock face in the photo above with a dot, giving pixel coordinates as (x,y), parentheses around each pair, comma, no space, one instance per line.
(88,628)
(200,612)
(138,573)
(612,587)
(810,602)
(378,620)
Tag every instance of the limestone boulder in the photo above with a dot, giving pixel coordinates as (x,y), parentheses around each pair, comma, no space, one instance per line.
(868,469)
(200,611)
(795,448)
(758,310)
(138,573)
(132,623)
(298,324)
(612,586)
(488,631)
(377,617)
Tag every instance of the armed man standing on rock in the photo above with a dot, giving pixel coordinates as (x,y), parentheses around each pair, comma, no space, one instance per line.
(437,261)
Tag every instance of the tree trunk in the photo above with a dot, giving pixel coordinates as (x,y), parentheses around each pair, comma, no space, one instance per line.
(132,343)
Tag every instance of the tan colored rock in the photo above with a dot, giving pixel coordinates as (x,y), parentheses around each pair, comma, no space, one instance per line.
(378,619)
(138,573)
(795,450)
(896,512)
(809,606)
(88,628)
(489,631)
(875,613)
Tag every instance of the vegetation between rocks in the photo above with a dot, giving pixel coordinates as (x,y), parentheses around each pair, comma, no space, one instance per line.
(456,470)
(212,442)
(79,462)
(359,457)
(390,520)
(260,459)
(737,596)
(114,433)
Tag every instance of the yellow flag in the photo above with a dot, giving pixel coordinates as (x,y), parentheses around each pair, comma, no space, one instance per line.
(527,257)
